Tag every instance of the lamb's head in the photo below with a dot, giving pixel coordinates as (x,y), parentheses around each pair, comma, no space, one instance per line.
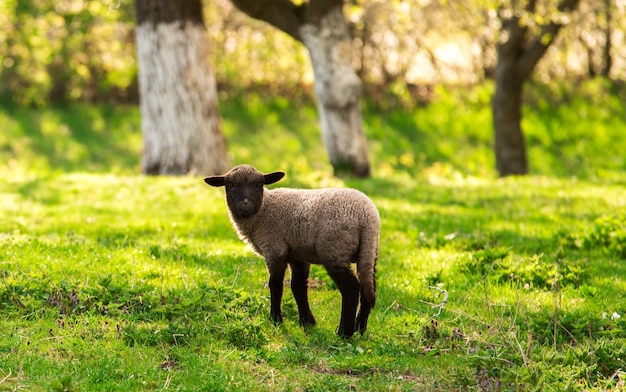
(244,188)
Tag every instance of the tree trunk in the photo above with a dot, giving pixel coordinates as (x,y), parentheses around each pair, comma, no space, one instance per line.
(507,100)
(507,118)
(338,90)
(518,53)
(607,59)
(321,26)
(180,119)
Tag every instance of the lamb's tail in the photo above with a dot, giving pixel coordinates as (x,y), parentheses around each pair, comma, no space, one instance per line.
(366,264)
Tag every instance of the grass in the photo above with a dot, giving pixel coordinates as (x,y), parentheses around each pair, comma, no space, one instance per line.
(114,281)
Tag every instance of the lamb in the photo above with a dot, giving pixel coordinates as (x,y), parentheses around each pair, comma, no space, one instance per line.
(333,227)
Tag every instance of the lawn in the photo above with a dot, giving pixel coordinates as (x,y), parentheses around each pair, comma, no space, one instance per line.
(114,281)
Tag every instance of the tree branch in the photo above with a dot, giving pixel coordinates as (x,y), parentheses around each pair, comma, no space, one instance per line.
(285,15)
(282,14)
(542,42)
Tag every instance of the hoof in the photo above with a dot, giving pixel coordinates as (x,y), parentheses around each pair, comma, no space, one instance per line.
(308,321)
(276,318)
(344,333)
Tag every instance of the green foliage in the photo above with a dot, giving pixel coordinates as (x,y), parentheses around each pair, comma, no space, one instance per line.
(71,50)
(114,281)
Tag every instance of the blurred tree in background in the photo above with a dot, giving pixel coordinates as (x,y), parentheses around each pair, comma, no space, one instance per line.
(180,119)
(321,27)
(527,33)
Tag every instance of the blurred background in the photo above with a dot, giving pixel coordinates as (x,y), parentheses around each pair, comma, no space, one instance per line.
(76,50)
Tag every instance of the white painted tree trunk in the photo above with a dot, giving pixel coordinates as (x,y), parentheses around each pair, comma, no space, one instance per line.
(180,119)
(338,90)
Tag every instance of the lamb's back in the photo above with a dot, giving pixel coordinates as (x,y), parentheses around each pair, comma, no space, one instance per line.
(321,206)
(310,223)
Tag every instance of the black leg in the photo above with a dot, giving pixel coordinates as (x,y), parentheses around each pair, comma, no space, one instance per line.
(277,275)
(299,287)
(349,288)
(364,312)
(368,300)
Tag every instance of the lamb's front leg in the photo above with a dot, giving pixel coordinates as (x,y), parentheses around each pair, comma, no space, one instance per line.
(277,275)
(299,287)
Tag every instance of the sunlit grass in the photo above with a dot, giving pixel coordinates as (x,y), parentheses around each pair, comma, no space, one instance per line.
(171,273)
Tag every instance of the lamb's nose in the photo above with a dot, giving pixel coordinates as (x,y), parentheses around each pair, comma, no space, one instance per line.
(245,203)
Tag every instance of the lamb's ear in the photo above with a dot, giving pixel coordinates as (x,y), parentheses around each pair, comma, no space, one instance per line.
(271,178)
(215,181)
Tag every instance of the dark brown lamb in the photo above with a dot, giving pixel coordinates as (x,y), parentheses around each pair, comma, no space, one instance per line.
(334,227)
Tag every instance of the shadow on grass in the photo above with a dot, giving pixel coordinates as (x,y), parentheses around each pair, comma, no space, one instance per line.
(75,138)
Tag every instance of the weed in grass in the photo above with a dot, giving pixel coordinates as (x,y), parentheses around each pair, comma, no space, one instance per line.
(543,272)
(65,384)
(244,332)
(485,261)
(137,333)
(608,235)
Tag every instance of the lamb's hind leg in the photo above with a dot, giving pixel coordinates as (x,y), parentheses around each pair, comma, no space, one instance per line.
(364,312)
(299,287)
(349,287)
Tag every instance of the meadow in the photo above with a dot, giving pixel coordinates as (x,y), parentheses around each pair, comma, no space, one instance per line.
(114,281)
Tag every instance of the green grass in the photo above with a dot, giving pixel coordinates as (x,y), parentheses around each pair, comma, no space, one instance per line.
(114,281)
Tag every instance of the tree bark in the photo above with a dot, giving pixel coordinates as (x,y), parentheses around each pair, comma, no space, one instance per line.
(338,90)
(180,120)
(518,53)
(607,59)
(321,26)
(507,119)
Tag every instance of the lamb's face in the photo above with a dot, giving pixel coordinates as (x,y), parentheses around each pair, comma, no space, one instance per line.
(244,189)
(244,193)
